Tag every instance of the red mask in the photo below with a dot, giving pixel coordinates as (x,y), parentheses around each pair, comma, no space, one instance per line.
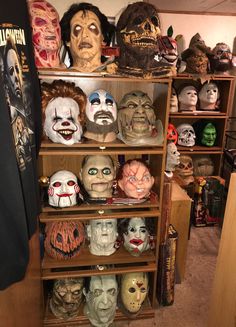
(172,135)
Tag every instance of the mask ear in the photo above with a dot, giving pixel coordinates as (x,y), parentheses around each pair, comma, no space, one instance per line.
(88,229)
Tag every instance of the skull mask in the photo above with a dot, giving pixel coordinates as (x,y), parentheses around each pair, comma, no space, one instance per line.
(66,297)
(63,189)
(185,169)
(186,135)
(221,60)
(137,120)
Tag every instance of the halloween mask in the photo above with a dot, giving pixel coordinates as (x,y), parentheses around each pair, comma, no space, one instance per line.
(221,59)
(66,297)
(137,120)
(63,189)
(208,96)
(101,299)
(102,234)
(169,50)
(196,60)
(209,135)
(187,98)
(97,175)
(173,101)
(186,135)
(203,166)
(101,116)
(63,239)
(134,290)
(172,135)
(135,180)
(63,111)
(172,158)
(46,33)
(185,169)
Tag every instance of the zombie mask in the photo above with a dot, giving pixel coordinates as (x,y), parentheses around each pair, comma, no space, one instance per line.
(209,135)
(208,96)
(63,239)
(63,189)
(172,158)
(221,59)
(101,116)
(46,33)
(67,295)
(203,166)
(133,290)
(97,175)
(172,135)
(187,98)
(102,234)
(137,120)
(101,299)
(135,179)
(185,169)
(196,61)
(186,135)
(173,101)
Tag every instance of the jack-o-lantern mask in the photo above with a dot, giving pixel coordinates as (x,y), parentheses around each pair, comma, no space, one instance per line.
(172,135)
(63,239)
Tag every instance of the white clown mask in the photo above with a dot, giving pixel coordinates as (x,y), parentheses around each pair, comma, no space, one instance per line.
(62,121)
(63,189)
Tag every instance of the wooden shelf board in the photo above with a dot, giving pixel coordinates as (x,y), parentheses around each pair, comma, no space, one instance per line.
(205,77)
(199,114)
(200,149)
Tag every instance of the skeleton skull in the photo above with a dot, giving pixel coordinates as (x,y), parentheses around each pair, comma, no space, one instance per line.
(186,135)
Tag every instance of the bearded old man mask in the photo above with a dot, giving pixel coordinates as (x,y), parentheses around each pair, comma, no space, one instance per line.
(221,58)
(63,111)
(137,120)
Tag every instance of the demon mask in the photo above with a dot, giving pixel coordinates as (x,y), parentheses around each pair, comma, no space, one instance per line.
(221,59)
(209,96)
(186,135)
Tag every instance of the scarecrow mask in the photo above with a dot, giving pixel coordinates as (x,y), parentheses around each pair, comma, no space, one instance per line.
(209,135)
(186,135)
(172,158)
(208,96)
(137,120)
(188,98)
(66,297)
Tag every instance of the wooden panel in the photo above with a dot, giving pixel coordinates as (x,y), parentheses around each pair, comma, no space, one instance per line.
(223,300)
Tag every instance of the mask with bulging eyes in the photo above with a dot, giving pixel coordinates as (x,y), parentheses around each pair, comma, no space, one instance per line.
(63,189)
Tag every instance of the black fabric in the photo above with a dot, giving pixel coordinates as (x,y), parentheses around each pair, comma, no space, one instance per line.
(19,200)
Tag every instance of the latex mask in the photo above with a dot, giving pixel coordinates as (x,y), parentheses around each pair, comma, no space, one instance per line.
(209,96)
(209,135)
(203,166)
(169,50)
(186,135)
(172,135)
(185,169)
(97,175)
(173,101)
(67,295)
(63,189)
(46,33)
(137,237)
(172,157)
(102,235)
(136,180)
(188,98)
(134,290)
(101,116)
(101,300)
(221,59)
(137,121)
(196,60)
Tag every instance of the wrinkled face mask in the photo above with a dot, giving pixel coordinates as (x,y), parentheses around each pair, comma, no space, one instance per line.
(62,121)
(186,135)
(63,189)
(134,290)
(209,135)
(222,56)
(197,63)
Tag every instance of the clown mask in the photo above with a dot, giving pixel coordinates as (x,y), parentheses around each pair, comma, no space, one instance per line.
(63,189)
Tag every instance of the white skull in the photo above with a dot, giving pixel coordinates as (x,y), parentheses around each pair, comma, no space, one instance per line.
(62,190)
(186,135)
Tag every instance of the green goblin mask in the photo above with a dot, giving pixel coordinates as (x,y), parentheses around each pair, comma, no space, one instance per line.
(209,135)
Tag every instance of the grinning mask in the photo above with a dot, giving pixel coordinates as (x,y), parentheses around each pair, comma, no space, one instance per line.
(134,290)
(187,98)
(46,33)
(185,169)
(186,135)
(63,189)
(102,234)
(172,135)
(137,120)
(209,96)
(209,135)
(101,300)
(221,59)
(169,50)
(67,295)
(172,157)
(97,175)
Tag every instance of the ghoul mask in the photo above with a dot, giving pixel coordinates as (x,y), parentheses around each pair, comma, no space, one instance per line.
(67,295)
(209,96)
(63,189)
(46,33)
(209,135)
(186,135)
(101,116)
(221,59)
(196,61)
(137,121)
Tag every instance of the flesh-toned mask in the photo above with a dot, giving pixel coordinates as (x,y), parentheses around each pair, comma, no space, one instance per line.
(63,189)
(173,101)
(46,33)
(172,157)
(14,73)
(101,116)
(209,134)
(134,290)
(186,135)
(101,300)
(102,234)
(137,121)
(208,96)
(221,59)
(66,297)
(188,98)
(97,175)
(172,135)
(135,179)
(185,169)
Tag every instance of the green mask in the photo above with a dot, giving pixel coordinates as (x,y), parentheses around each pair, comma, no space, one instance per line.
(209,135)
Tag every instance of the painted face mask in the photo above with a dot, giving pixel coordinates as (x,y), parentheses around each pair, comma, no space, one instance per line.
(188,98)
(172,135)
(66,297)
(172,158)
(102,234)
(101,299)
(209,135)
(137,120)
(136,180)
(63,189)
(46,33)
(169,50)
(186,135)
(97,175)
(134,290)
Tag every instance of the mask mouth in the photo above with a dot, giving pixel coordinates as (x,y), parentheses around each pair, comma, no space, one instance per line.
(50,37)
(64,195)
(66,133)
(136,241)
(85,45)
